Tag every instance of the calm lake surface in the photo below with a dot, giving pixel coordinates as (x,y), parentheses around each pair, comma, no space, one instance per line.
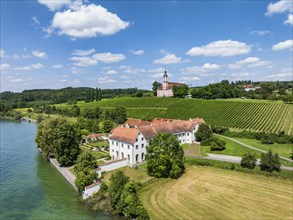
(31,188)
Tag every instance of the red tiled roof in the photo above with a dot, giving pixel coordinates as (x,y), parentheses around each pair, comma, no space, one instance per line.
(95,135)
(248,86)
(136,122)
(169,126)
(127,135)
(92,185)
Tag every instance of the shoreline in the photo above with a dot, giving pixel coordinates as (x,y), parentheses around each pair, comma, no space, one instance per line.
(65,172)
(28,120)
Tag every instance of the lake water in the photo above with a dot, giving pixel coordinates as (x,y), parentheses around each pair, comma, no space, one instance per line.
(31,188)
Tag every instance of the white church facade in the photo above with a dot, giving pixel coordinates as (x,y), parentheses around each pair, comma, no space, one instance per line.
(166,89)
(130,141)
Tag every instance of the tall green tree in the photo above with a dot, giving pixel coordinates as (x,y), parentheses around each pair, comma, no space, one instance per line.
(85,161)
(165,157)
(117,183)
(59,137)
(180,91)
(204,132)
(156,85)
(248,161)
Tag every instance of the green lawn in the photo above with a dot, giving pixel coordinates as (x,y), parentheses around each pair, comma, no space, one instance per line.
(96,154)
(232,148)
(281,149)
(99,144)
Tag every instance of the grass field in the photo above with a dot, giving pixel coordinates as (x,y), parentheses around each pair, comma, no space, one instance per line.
(281,149)
(236,114)
(212,193)
(134,174)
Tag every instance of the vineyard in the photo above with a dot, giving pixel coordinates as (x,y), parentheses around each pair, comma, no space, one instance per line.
(238,115)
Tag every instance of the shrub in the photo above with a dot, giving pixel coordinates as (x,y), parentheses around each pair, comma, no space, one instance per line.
(248,161)
(270,162)
(218,145)
(204,132)
(267,139)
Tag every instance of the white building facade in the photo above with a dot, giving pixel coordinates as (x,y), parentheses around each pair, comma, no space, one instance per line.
(131,143)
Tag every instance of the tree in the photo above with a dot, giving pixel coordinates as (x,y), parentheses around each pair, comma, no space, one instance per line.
(59,137)
(85,161)
(165,157)
(138,94)
(217,144)
(270,162)
(180,91)
(204,132)
(156,85)
(248,161)
(85,178)
(108,125)
(117,183)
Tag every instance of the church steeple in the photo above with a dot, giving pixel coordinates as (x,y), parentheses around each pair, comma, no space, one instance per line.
(165,76)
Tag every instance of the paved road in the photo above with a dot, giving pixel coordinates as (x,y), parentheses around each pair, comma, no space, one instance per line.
(254,148)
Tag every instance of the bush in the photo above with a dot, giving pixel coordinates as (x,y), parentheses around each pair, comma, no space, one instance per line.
(270,162)
(267,139)
(207,142)
(248,161)
(219,129)
(204,132)
(218,145)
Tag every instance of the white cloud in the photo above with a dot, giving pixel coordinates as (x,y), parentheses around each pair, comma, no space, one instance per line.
(110,72)
(124,77)
(83,52)
(54,5)
(108,57)
(190,79)
(133,70)
(168,59)
(87,21)
(279,7)
(57,66)
(2,53)
(16,80)
(124,67)
(289,20)
(284,74)
(159,74)
(105,80)
(83,61)
(35,20)
(260,33)
(30,67)
(249,62)
(137,52)
(4,67)
(223,48)
(157,70)
(40,54)
(207,67)
(244,74)
(283,45)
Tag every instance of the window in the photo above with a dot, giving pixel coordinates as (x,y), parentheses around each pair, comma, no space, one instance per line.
(117,143)
(113,142)
(136,147)
(128,147)
(142,146)
(128,157)
(122,145)
(136,139)
(136,158)
(142,138)
(187,134)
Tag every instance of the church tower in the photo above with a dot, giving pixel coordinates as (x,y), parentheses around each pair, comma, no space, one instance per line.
(165,76)
(165,80)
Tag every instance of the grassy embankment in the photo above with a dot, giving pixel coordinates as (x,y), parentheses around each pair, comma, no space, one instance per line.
(236,114)
(213,193)
(235,149)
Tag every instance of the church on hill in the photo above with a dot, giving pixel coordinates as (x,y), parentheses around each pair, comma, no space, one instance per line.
(166,89)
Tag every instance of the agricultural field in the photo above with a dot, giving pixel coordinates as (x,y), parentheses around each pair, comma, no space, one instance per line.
(213,193)
(239,115)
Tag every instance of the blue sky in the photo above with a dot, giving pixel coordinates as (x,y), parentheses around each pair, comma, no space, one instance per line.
(122,44)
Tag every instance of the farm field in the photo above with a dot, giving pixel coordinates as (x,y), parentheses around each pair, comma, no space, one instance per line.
(237,115)
(213,193)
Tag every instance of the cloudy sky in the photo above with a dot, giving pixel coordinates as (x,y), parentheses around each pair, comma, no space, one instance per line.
(120,44)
